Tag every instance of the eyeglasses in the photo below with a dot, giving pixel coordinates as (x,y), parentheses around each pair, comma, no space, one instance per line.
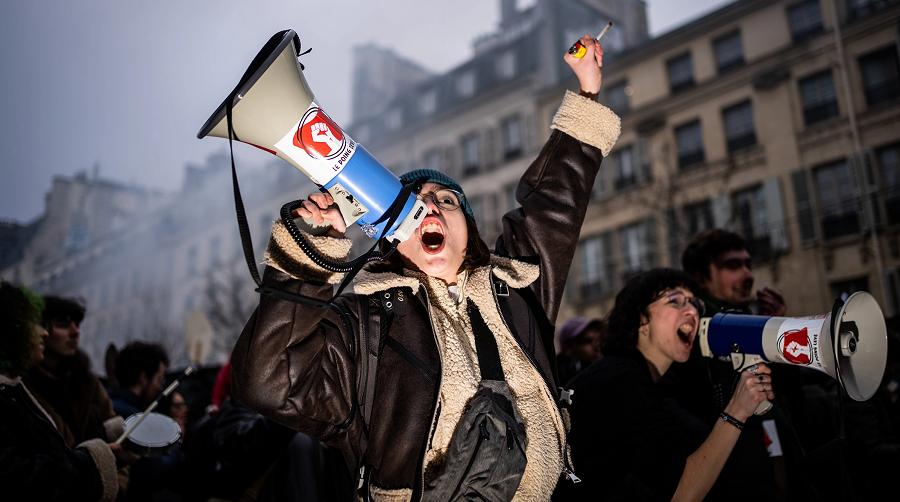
(445,198)
(680,300)
(736,263)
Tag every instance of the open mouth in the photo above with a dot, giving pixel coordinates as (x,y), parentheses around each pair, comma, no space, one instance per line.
(686,332)
(432,236)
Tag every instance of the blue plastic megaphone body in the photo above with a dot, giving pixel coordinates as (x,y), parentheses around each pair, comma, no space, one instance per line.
(856,355)
(274,109)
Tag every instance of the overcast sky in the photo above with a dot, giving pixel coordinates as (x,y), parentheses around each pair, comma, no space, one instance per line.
(126,84)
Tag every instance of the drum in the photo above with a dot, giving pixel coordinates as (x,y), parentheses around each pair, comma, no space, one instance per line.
(154,436)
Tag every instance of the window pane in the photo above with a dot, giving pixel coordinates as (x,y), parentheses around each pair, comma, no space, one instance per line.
(805,19)
(512,137)
(624,162)
(616,97)
(750,213)
(838,204)
(596,277)
(689,140)
(681,72)
(880,75)
(889,162)
(728,51)
(470,153)
(739,131)
(818,97)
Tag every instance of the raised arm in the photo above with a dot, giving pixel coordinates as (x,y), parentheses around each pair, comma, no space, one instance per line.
(555,190)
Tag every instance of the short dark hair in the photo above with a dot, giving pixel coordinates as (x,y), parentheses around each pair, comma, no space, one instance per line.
(59,309)
(632,302)
(137,358)
(19,312)
(707,247)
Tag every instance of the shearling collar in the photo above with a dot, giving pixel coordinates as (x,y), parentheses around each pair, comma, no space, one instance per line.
(515,273)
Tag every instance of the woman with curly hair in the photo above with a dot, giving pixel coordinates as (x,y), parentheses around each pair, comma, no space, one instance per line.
(630,439)
(35,463)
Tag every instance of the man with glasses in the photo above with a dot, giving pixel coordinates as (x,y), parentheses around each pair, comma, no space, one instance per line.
(721,264)
(719,261)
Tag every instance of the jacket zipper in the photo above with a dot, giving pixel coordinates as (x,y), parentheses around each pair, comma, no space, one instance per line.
(434,409)
(567,470)
(482,437)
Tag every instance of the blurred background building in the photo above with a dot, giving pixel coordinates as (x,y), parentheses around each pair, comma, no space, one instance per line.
(777,119)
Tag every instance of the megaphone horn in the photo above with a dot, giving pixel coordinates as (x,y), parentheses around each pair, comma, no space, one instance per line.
(273,108)
(854,352)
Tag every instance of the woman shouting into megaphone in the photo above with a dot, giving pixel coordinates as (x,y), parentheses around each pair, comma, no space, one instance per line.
(435,375)
(631,439)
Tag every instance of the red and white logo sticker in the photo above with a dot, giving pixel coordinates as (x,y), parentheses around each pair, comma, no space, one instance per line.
(316,145)
(795,346)
(319,135)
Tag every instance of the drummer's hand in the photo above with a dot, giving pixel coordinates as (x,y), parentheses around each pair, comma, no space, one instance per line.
(588,68)
(321,210)
(123,456)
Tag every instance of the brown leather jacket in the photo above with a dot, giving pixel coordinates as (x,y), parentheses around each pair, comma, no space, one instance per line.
(306,367)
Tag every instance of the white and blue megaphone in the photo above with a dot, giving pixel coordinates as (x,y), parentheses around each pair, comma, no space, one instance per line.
(273,109)
(848,344)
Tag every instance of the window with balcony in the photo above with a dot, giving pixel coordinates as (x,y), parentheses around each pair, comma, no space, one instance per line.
(804,19)
(839,206)
(738,122)
(880,75)
(511,131)
(596,275)
(681,72)
(818,97)
(471,154)
(689,141)
(728,51)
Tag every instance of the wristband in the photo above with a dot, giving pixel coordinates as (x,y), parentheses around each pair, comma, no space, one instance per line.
(731,420)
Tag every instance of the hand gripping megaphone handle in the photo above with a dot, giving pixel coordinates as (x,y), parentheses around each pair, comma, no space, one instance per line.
(747,362)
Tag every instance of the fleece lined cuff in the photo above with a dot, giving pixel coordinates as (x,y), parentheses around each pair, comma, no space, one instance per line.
(588,122)
(284,254)
(106,465)
(113,427)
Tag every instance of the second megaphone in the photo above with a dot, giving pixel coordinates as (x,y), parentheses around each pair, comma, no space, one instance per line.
(273,108)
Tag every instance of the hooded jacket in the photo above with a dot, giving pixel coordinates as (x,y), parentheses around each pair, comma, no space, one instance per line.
(307,367)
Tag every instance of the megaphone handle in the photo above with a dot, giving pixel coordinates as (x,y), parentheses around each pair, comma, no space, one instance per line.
(763,407)
(740,362)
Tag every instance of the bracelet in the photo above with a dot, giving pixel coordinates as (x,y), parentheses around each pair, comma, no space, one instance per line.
(731,420)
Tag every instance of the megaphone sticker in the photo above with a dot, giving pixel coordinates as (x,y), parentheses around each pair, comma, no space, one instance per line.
(319,135)
(318,144)
(798,341)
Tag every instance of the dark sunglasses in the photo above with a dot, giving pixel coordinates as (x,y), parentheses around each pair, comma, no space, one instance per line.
(736,263)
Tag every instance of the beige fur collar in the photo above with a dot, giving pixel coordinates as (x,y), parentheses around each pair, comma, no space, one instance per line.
(515,273)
